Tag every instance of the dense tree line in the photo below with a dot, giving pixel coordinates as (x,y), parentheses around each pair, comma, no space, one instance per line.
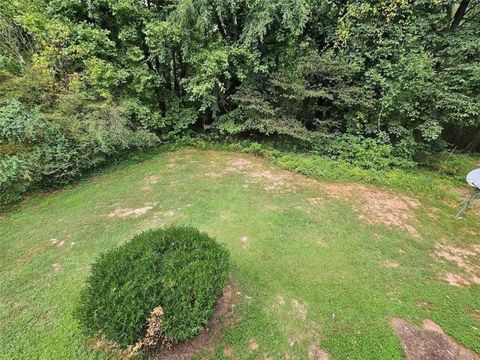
(83,80)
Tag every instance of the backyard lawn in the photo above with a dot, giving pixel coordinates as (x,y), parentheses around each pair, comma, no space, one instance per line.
(318,267)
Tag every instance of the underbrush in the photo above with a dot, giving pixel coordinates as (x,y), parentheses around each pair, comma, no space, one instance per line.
(358,160)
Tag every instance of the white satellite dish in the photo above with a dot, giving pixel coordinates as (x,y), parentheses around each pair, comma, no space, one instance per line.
(473,178)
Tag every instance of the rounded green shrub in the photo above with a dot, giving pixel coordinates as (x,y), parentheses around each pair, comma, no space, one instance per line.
(179,268)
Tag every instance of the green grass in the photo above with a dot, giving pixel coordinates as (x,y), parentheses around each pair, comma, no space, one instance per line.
(320,259)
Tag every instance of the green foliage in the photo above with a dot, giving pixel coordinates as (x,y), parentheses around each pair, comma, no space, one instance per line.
(17,124)
(98,129)
(366,153)
(403,77)
(46,153)
(211,72)
(14,179)
(75,135)
(53,161)
(178,268)
(451,164)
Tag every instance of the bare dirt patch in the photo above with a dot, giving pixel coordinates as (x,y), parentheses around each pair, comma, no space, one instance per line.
(271,179)
(252,345)
(316,353)
(258,171)
(466,260)
(205,340)
(429,342)
(300,309)
(390,264)
(378,206)
(229,353)
(127,212)
(454,279)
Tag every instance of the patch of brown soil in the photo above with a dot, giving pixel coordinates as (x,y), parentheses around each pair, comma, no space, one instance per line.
(300,309)
(254,169)
(464,259)
(454,279)
(378,206)
(229,353)
(316,353)
(205,340)
(429,342)
(124,213)
(390,264)
(252,345)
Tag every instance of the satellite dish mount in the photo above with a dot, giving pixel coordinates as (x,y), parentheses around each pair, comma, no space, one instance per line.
(473,179)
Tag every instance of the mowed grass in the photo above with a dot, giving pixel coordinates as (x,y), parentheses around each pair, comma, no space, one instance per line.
(308,269)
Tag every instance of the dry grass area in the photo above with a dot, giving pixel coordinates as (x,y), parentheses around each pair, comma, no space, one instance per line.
(467,261)
(378,206)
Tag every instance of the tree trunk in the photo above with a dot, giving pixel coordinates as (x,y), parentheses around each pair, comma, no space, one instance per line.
(459,14)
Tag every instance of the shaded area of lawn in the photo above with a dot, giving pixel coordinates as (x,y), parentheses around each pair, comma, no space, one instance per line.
(312,267)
